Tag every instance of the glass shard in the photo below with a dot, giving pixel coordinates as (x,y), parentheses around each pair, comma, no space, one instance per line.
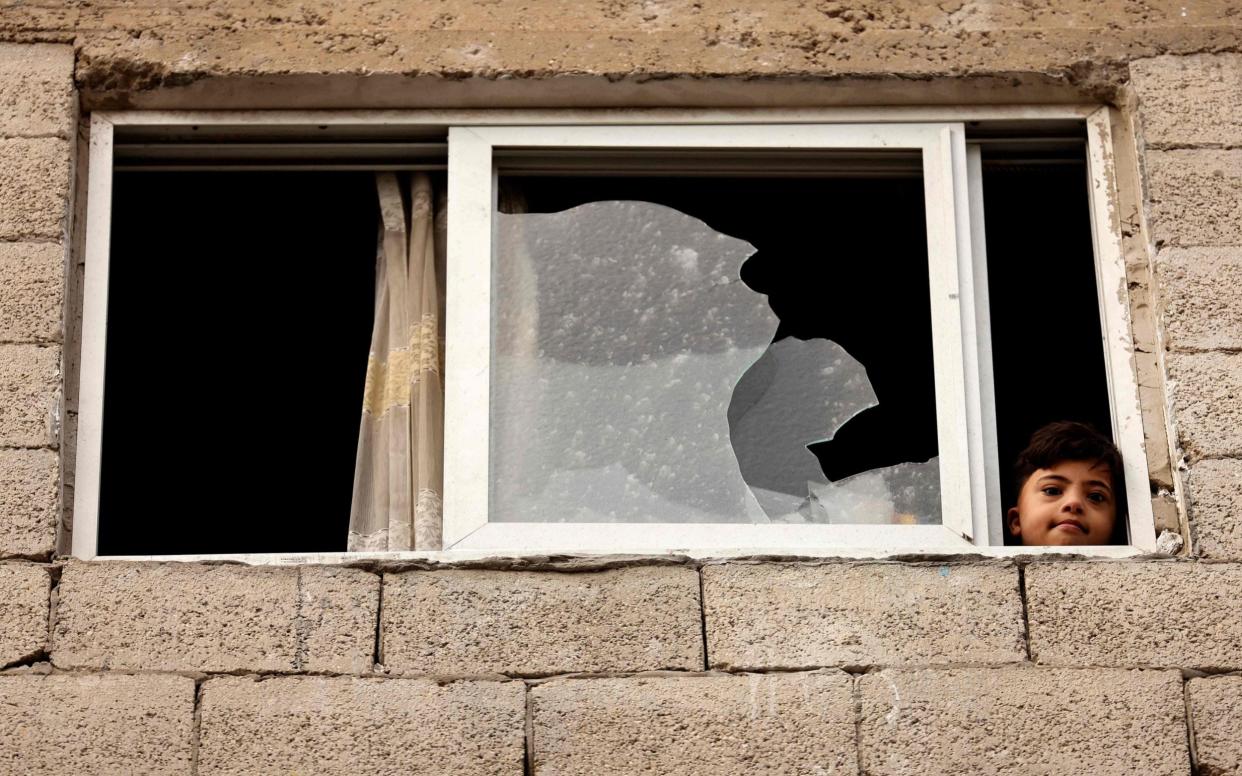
(799,392)
(903,494)
(620,329)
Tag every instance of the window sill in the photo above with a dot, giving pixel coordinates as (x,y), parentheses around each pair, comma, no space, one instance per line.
(449,557)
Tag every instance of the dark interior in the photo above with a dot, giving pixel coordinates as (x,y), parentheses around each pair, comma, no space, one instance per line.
(241,303)
(1047,351)
(239,320)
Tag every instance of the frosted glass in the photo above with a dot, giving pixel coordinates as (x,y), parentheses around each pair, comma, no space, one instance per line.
(634,379)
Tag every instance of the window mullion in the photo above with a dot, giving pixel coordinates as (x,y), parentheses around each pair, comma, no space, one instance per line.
(989,522)
(946,265)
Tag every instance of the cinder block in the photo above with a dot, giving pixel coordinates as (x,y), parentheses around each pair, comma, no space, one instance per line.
(67,723)
(541,623)
(1200,289)
(683,725)
(29,394)
(1207,402)
(1196,197)
(772,615)
(1215,710)
(32,294)
(36,89)
(193,617)
(34,188)
(1157,614)
(1022,721)
(23,611)
(29,502)
(345,725)
(1190,101)
(1215,490)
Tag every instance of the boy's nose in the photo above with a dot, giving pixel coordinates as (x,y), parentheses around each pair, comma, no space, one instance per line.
(1072,504)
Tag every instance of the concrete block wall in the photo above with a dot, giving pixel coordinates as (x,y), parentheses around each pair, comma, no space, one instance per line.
(1032,666)
(967,667)
(1190,116)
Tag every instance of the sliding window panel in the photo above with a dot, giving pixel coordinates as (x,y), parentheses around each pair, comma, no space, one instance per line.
(623,373)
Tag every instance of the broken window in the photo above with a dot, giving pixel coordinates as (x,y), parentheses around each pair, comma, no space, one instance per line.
(641,371)
(731,338)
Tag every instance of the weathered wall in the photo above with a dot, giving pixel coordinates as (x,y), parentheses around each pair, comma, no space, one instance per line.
(966,667)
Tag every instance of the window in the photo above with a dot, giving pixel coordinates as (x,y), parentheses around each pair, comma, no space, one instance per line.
(728,334)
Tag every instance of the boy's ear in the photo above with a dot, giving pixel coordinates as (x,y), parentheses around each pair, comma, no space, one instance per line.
(1015,526)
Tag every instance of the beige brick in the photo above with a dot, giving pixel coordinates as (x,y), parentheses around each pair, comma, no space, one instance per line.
(1215,491)
(32,293)
(540,623)
(345,725)
(1022,721)
(1175,614)
(36,89)
(796,616)
(1215,709)
(29,395)
(191,617)
(34,188)
(29,502)
(1195,100)
(1196,197)
(1201,296)
(688,725)
(1207,402)
(23,611)
(93,724)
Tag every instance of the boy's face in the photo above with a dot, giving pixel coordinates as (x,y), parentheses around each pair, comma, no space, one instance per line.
(1069,503)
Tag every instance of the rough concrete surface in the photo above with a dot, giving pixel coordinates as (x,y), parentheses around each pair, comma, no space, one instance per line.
(1214,488)
(34,188)
(32,295)
(1022,721)
(798,616)
(1215,705)
(710,725)
(127,50)
(93,724)
(36,90)
(1207,402)
(1199,289)
(23,611)
(1195,197)
(540,623)
(29,393)
(1166,613)
(192,617)
(345,725)
(29,502)
(1190,101)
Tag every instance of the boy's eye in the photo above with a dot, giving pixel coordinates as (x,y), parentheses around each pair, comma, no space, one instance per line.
(1097,498)
(1050,490)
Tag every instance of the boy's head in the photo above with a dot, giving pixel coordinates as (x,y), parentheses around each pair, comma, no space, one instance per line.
(1071,488)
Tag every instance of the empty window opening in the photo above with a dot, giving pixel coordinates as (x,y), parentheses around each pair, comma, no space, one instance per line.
(1047,352)
(239,318)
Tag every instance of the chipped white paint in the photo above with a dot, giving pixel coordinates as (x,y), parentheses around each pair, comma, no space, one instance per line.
(1114,297)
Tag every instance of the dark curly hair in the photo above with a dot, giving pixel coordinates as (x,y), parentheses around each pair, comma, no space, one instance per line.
(1067,440)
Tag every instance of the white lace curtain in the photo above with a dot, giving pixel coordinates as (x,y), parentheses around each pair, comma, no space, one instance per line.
(399,474)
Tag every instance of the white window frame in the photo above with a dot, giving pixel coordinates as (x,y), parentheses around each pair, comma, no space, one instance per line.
(958,287)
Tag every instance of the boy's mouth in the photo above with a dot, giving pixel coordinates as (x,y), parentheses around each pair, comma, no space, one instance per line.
(1071,525)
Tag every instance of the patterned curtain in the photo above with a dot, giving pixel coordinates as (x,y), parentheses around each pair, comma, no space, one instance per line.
(399,474)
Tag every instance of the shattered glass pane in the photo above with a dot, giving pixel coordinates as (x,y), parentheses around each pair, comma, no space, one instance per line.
(635,379)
